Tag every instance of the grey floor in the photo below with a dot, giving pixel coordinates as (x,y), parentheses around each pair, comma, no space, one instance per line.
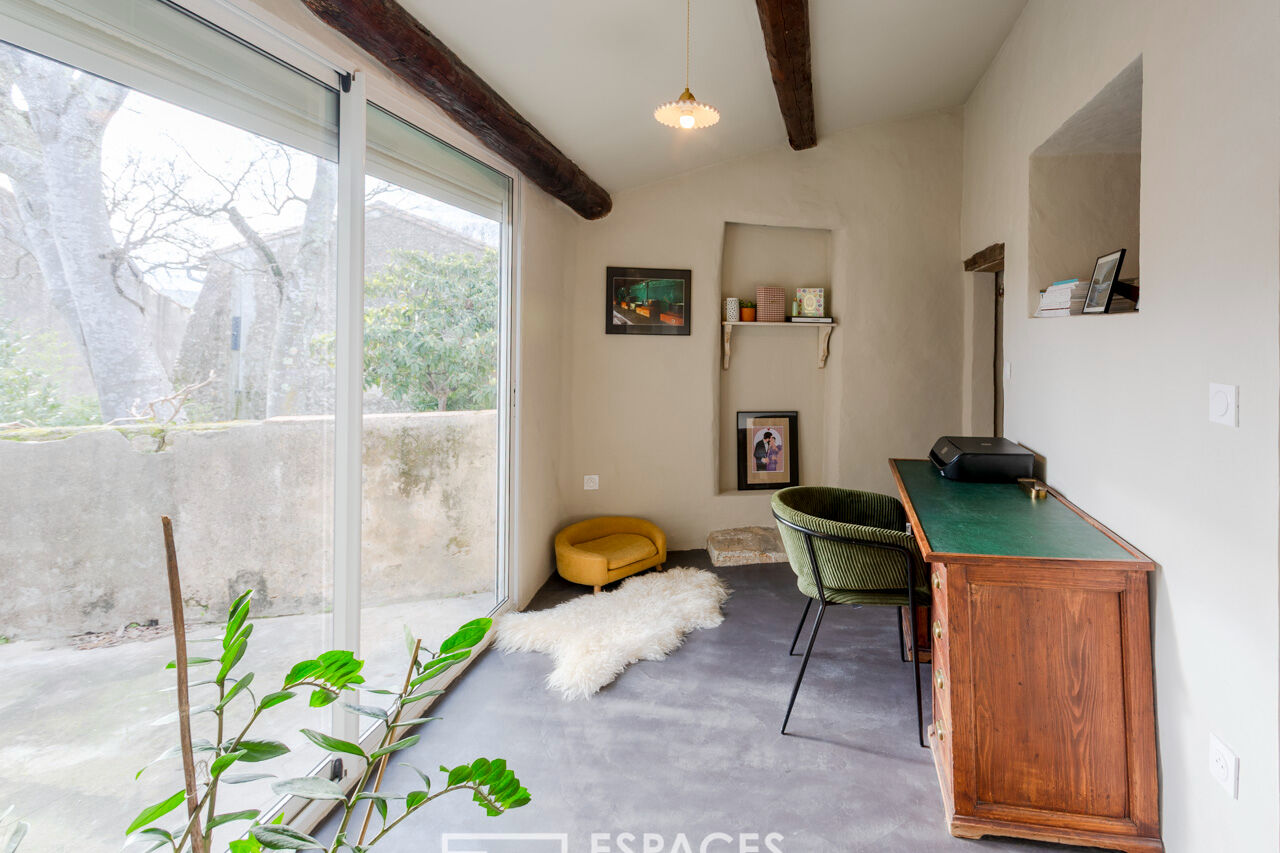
(690,745)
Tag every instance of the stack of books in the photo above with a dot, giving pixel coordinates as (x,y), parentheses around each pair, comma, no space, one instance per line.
(809,319)
(1063,298)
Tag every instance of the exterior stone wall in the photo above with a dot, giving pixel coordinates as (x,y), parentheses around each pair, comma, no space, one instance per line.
(81,547)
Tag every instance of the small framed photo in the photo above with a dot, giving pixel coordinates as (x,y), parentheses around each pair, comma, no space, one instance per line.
(1106,272)
(768,450)
(647,301)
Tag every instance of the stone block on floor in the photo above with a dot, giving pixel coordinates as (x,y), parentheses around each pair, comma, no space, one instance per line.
(745,546)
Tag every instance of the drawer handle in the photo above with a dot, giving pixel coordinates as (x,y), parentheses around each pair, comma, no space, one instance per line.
(940,681)
(937,630)
(937,581)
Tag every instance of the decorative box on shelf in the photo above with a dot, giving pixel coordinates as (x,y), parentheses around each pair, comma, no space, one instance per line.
(771,304)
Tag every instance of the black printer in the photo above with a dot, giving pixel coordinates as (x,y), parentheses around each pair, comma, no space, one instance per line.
(978,459)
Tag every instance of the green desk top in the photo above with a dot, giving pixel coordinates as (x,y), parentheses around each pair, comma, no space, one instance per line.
(999,518)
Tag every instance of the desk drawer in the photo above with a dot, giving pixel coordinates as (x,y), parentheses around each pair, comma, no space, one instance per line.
(938,591)
(942,729)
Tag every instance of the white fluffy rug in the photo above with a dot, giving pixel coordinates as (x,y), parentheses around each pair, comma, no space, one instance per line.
(593,638)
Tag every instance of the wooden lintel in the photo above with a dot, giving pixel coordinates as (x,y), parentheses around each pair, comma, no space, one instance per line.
(990,259)
(786,42)
(400,42)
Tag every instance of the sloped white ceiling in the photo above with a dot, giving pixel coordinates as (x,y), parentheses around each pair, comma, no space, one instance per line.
(589,73)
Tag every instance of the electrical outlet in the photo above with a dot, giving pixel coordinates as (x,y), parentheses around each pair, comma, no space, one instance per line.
(1224,766)
(591,482)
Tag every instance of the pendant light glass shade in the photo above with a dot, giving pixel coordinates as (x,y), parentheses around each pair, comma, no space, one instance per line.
(687,112)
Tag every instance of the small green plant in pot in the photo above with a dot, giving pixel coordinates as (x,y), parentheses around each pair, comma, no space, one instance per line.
(748,309)
(326,679)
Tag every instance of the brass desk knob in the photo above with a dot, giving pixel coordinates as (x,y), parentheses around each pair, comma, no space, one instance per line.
(940,681)
(937,630)
(939,731)
(937,581)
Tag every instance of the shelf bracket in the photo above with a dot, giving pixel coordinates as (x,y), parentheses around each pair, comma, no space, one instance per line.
(824,342)
(728,333)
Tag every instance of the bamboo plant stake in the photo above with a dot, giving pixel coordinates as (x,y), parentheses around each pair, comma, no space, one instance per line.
(382,768)
(184,697)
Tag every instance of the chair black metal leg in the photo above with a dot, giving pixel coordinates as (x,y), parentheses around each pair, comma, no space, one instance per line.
(817,622)
(915,656)
(808,602)
(902,643)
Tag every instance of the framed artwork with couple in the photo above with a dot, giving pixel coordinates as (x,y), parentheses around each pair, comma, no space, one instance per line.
(768,450)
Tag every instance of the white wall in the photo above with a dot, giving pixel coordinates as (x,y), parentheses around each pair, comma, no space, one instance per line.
(1118,404)
(642,411)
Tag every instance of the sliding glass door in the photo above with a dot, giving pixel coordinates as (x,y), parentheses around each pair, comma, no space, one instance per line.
(434,302)
(171,323)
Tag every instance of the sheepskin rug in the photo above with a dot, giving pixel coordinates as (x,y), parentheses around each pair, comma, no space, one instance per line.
(593,638)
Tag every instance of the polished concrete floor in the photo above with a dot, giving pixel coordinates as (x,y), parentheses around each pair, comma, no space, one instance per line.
(689,746)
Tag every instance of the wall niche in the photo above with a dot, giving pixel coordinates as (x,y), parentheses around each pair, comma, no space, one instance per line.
(1085,188)
(774,366)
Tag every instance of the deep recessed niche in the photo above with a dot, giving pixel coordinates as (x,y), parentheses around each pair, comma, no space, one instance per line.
(1085,188)
(774,367)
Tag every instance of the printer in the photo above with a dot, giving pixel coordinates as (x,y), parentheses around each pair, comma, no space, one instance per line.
(978,459)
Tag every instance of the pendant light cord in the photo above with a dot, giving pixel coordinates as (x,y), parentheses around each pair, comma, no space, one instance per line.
(688,38)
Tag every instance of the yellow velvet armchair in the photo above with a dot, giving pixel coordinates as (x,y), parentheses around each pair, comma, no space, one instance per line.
(602,550)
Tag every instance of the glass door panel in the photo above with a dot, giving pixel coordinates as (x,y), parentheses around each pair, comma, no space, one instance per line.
(434,254)
(166,300)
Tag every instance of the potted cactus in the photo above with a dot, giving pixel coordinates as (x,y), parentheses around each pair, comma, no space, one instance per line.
(748,309)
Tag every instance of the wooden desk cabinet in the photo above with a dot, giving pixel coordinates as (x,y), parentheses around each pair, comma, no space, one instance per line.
(1043,714)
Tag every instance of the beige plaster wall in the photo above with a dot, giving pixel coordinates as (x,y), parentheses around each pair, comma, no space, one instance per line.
(642,412)
(775,368)
(1118,404)
(543,248)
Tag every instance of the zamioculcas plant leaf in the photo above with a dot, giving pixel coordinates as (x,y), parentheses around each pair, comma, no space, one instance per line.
(327,677)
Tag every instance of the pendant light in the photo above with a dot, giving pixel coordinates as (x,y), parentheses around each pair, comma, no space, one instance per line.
(686,112)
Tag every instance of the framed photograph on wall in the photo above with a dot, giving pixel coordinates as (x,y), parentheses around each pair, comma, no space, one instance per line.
(1106,272)
(647,301)
(768,450)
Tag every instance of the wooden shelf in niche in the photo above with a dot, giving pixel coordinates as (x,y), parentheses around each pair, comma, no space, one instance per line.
(823,330)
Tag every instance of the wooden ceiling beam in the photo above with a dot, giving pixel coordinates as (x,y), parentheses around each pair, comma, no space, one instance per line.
(786,41)
(399,41)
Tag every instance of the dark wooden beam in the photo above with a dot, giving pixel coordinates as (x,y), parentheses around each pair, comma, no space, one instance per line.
(400,42)
(786,41)
(990,259)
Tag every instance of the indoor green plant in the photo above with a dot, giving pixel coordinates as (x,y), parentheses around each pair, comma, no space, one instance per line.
(748,309)
(495,788)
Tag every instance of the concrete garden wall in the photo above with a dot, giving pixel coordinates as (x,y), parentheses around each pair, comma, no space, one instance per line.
(81,547)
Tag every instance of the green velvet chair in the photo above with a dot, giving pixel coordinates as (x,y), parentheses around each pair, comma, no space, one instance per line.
(849,547)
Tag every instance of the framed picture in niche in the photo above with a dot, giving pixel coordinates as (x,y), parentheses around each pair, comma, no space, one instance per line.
(1106,272)
(768,450)
(647,301)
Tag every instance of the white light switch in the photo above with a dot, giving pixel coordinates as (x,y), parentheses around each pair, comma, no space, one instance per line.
(1224,404)
(590,482)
